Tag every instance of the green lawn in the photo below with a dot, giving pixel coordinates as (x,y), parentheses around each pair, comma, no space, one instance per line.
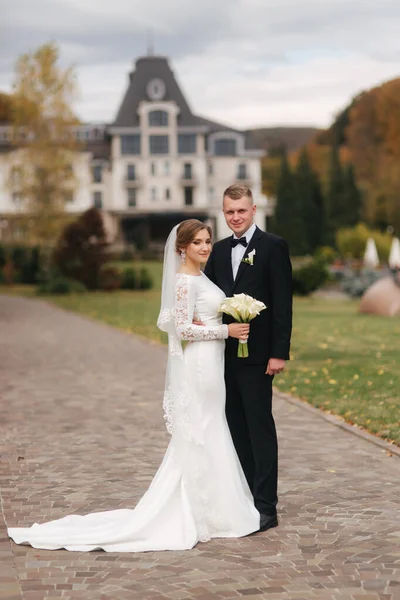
(346,363)
(342,362)
(153,266)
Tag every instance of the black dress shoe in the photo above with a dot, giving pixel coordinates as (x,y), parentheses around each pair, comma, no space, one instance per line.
(268,521)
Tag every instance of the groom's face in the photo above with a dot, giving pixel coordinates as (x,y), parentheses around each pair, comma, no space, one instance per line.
(239,214)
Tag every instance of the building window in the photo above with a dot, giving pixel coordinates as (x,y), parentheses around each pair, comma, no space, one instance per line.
(188,191)
(97,174)
(166,167)
(159,144)
(130,144)
(242,171)
(187,144)
(187,171)
(167,194)
(153,168)
(210,169)
(98,200)
(17,199)
(225,147)
(211,192)
(131,172)
(153,194)
(132,197)
(16,177)
(158,118)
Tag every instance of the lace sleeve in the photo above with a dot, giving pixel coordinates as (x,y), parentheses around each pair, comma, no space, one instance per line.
(184,311)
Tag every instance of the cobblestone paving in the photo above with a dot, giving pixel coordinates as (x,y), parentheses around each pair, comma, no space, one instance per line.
(82,430)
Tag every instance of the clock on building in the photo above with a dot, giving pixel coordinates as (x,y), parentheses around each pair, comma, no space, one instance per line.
(156,89)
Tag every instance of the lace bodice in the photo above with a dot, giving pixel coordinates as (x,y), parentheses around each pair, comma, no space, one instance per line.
(199,297)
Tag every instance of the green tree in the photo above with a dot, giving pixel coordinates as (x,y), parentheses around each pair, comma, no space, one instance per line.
(336,200)
(42,131)
(311,203)
(288,221)
(353,200)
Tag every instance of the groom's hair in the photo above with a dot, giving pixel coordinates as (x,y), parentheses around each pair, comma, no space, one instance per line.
(237,191)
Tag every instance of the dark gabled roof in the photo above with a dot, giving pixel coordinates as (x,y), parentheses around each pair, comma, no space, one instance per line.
(213,127)
(146,69)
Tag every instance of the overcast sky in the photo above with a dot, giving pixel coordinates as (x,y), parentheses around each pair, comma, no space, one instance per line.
(244,62)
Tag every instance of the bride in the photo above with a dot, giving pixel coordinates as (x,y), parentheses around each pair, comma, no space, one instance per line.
(199,492)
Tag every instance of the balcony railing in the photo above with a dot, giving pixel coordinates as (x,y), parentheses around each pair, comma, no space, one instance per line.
(244,179)
(188,179)
(133,182)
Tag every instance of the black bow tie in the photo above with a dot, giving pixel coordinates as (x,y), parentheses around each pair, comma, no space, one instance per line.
(235,242)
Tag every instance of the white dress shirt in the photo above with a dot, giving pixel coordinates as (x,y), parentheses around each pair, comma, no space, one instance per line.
(239,250)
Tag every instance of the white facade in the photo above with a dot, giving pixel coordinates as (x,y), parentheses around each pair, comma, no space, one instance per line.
(156,166)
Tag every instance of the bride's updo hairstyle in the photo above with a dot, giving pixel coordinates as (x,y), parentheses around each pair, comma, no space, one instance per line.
(187,231)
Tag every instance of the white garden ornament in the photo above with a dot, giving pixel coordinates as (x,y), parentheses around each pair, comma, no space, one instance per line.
(394,256)
(371,258)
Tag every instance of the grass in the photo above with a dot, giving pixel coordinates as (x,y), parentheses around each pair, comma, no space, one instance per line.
(154,268)
(342,362)
(347,364)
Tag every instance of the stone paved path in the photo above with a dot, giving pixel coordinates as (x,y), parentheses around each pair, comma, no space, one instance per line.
(81,430)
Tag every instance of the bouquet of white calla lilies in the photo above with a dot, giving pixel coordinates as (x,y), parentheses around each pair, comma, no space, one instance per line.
(242,308)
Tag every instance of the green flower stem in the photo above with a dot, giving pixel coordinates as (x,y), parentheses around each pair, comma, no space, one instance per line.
(243,350)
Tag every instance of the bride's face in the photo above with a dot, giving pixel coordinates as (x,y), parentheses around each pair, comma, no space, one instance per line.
(199,249)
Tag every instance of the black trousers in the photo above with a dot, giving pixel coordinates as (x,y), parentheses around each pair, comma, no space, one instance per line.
(252,426)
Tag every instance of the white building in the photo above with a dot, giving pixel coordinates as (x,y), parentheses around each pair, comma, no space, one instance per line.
(156,165)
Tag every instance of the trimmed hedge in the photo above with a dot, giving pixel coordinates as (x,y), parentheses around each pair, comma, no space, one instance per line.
(309,278)
(61,285)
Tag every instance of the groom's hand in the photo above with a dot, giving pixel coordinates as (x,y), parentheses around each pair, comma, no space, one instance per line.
(194,322)
(275,366)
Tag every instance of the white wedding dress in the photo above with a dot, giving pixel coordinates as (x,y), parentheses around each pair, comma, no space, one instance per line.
(199,492)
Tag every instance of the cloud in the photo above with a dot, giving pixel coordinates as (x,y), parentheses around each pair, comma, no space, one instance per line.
(246,62)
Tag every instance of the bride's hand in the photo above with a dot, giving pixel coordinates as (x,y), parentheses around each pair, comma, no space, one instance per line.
(239,330)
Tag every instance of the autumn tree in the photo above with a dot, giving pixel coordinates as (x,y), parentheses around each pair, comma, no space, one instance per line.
(5,108)
(43,133)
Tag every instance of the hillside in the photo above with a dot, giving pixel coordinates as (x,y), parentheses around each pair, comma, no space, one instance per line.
(274,138)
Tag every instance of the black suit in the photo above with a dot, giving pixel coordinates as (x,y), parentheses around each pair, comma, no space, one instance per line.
(248,389)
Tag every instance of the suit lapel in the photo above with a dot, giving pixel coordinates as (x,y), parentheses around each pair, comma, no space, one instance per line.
(226,260)
(252,245)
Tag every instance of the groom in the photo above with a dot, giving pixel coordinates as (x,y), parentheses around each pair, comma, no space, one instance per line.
(267,276)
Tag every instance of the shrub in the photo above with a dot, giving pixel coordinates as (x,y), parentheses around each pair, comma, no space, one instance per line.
(325,254)
(309,278)
(3,257)
(127,254)
(61,285)
(129,280)
(30,269)
(354,284)
(351,242)
(19,256)
(81,250)
(146,281)
(110,279)
(9,273)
